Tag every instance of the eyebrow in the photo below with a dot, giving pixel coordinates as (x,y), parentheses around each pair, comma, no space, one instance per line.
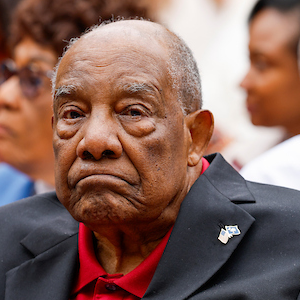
(65,90)
(130,88)
(136,87)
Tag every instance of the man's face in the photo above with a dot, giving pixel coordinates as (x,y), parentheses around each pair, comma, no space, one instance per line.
(272,83)
(26,109)
(120,142)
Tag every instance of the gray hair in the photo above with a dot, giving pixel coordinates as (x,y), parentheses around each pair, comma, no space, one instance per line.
(54,75)
(185,75)
(182,68)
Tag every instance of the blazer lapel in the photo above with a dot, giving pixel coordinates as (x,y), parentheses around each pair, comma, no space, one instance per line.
(194,253)
(49,274)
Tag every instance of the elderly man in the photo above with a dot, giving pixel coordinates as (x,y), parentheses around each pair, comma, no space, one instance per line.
(156,219)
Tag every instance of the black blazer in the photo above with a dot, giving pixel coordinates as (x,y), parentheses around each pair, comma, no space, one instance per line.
(39,255)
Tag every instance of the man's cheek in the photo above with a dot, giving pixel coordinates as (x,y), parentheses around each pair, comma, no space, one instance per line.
(65,130)
(64,149)
(63,161)
(56,142)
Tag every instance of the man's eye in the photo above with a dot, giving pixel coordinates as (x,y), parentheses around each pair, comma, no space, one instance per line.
(72,115)
(135,113)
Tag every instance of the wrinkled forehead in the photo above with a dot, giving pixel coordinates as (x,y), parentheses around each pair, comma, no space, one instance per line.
(119,42)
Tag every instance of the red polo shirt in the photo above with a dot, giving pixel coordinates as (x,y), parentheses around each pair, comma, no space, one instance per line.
(94,283)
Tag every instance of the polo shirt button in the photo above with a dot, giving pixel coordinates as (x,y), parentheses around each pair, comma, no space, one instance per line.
(111,287)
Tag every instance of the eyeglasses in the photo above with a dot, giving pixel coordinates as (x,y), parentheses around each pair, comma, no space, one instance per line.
(31,77)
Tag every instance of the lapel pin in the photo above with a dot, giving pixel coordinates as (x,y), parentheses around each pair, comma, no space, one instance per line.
(228,233)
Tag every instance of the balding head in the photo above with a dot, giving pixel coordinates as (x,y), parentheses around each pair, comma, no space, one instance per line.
(180,63)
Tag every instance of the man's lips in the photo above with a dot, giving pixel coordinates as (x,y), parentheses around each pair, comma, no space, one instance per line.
(101,178)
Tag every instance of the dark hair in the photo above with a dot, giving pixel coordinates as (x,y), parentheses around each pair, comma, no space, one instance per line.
(280,5)
(6,10)
(284,7)
(54,22)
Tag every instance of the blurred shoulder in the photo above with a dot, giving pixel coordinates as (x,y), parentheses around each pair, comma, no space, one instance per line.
(278,165)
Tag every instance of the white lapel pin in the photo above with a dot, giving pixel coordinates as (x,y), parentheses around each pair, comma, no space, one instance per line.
(227,233)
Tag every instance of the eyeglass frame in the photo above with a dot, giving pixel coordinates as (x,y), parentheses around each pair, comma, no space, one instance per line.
(30,89)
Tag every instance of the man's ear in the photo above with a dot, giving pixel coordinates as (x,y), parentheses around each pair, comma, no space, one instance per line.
(201,125)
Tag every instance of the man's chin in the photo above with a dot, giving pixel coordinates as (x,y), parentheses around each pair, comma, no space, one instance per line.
(102,206)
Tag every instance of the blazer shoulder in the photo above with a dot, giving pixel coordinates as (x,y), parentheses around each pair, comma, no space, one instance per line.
(253,197)
(275,197)
(38,203)
(26,215)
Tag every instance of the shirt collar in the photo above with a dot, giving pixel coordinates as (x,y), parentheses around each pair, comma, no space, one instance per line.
(136,282)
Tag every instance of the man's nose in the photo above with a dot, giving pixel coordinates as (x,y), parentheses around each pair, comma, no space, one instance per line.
(100,139)
(10,94)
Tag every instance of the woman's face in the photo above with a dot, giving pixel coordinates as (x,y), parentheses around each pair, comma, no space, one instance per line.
(272,82)
(26,109)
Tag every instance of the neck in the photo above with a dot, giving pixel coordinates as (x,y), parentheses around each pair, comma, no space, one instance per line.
(121,252)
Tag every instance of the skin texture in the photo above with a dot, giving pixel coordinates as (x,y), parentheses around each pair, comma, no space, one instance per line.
(126,156)
(25,124)
(272,82)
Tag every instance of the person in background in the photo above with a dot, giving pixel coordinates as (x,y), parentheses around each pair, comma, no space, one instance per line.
(273,88)
(38,36)
(22,185)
